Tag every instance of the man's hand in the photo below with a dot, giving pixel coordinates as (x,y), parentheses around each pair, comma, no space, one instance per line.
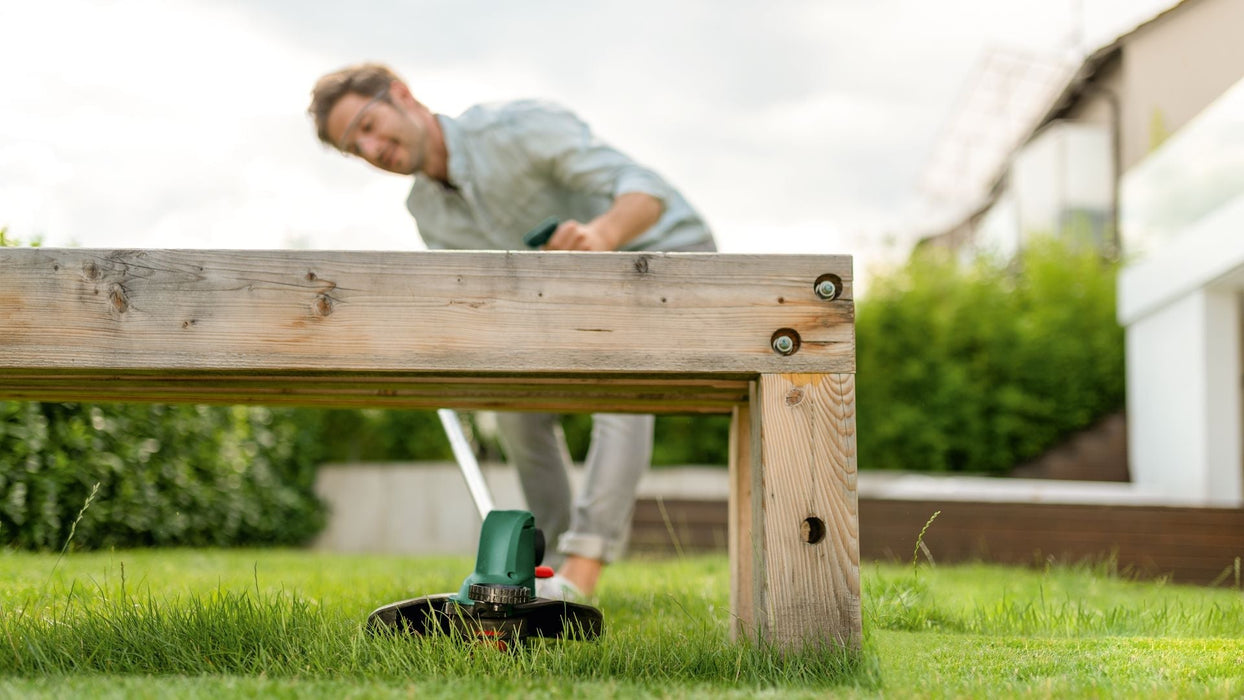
(631,214)
(572,235)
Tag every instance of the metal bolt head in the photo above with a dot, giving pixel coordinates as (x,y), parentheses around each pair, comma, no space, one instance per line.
(827,290)
(783,345)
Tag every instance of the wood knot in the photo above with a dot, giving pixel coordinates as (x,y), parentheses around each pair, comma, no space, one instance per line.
(311,277)
(323,305)
(116,295)
(90,270)
(794,397)
(641,265)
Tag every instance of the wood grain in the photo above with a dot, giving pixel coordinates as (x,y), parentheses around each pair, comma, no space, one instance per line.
(808,592)
(438,311)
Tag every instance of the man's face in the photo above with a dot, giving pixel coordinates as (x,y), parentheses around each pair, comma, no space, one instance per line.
(381,130)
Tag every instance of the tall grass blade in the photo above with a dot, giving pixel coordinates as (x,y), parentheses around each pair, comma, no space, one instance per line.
(920,542)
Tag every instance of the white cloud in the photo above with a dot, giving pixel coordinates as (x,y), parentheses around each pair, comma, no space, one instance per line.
(796,125)
(156,124)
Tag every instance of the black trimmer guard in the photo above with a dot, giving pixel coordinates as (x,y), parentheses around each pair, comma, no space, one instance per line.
(501,625)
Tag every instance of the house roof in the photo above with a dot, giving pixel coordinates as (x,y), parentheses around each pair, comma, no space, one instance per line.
(1093,63)
(1060,105)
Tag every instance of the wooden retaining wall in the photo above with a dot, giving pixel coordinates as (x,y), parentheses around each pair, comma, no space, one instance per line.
(1190,545)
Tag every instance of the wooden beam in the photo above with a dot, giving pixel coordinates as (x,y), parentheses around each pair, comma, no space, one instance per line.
(806,579)
(591,314)
(398,390)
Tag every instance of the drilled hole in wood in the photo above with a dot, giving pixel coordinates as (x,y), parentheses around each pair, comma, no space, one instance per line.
(812,529)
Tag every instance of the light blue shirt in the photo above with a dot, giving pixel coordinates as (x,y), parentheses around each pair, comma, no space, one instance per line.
(512,165)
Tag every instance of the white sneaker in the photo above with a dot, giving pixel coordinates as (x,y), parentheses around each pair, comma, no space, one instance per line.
(558,587)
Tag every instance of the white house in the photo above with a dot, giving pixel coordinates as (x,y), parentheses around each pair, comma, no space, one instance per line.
(1143,150)
(1182,221)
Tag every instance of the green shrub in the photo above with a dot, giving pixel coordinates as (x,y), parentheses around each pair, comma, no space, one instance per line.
(678,440)
(374,435)
(167,475)
(978,368)
(691,439)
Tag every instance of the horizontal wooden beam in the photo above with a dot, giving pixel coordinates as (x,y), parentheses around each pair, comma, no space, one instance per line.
(259,325)
(396,390)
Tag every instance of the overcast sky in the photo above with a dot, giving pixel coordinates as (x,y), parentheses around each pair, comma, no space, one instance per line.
(794,125)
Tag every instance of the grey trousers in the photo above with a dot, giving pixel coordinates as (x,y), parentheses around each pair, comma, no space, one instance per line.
(595,522)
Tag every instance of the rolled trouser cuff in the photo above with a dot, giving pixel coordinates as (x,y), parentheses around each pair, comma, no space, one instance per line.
(590,547)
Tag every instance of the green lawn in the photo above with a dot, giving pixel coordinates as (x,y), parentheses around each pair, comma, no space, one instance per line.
(207,623)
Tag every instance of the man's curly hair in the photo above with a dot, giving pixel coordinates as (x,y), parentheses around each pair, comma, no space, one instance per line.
(366,79)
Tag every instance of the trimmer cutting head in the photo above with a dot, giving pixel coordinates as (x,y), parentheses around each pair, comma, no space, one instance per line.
(497,602)
(500,624)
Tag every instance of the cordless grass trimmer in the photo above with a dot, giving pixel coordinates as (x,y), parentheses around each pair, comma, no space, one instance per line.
(497,603)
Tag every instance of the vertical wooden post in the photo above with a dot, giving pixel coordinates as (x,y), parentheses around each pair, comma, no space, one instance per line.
(804,575)
(742,592)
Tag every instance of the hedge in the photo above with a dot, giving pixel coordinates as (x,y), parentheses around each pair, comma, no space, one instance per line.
(165,475)
(976,368)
